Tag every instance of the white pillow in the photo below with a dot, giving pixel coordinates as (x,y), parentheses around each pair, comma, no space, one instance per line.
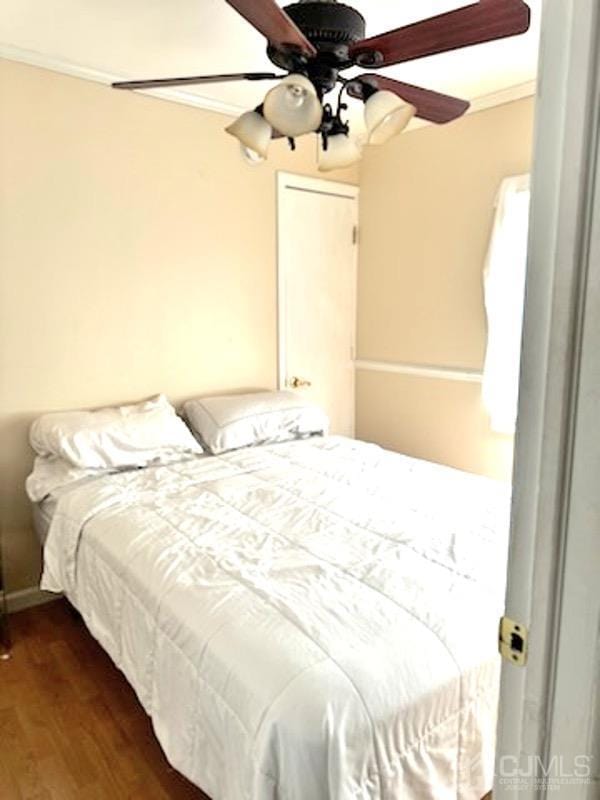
(232,421)
(126,436)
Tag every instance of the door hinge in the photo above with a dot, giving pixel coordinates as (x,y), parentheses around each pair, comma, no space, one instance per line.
(513,641)
(355,234)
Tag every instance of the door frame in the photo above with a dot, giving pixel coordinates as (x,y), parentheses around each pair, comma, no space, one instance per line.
(545,707)
(289,180)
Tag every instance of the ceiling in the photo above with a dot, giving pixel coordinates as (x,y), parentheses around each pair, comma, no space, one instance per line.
(163,38)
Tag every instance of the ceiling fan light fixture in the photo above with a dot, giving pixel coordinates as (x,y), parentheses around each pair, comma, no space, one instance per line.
(293,107)
(342,151)
(321,39)
(250,156)
(253,133)
(386,115)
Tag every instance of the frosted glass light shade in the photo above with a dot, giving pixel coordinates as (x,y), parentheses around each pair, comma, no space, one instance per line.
(386,115)
(250,156)
(341,152)
(253,132)
(293,107)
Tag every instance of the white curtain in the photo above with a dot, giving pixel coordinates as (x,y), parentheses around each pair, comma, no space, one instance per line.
(504,284)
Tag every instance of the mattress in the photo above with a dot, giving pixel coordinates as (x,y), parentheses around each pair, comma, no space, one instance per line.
(42,517)
(43,511)
(303,621)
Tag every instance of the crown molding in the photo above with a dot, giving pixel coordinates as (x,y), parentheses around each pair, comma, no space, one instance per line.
(44,61)
(36,59)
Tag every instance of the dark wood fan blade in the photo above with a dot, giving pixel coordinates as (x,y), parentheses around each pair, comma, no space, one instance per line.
(432,106)
(273,23)
(474,24)
(162,82)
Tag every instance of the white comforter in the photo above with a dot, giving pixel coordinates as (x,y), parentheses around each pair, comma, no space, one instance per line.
(304,621)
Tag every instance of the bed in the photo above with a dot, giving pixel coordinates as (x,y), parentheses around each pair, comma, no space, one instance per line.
(309,620)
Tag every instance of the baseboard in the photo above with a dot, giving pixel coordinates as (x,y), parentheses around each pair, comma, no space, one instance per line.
(27,598)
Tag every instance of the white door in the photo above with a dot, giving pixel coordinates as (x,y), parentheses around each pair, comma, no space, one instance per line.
(549,726)
(317,258)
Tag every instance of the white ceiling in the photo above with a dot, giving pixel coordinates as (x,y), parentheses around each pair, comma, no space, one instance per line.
(166,38)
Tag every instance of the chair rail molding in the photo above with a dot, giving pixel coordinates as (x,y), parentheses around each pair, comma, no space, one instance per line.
(436,371)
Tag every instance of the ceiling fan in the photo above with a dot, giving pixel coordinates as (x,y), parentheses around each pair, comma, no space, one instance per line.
(314,41)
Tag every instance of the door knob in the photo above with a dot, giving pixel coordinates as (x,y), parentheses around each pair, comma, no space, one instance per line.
(296,383)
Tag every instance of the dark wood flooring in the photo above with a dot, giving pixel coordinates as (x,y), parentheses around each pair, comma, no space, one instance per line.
(71,727)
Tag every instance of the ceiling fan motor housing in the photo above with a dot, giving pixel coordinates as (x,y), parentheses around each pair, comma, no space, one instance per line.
(331,27)
(327,22)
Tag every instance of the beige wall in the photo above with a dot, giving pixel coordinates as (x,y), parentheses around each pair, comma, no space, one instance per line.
(426,213)
(137,255)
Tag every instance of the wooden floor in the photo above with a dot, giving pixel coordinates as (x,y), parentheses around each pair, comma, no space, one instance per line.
(71,728)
